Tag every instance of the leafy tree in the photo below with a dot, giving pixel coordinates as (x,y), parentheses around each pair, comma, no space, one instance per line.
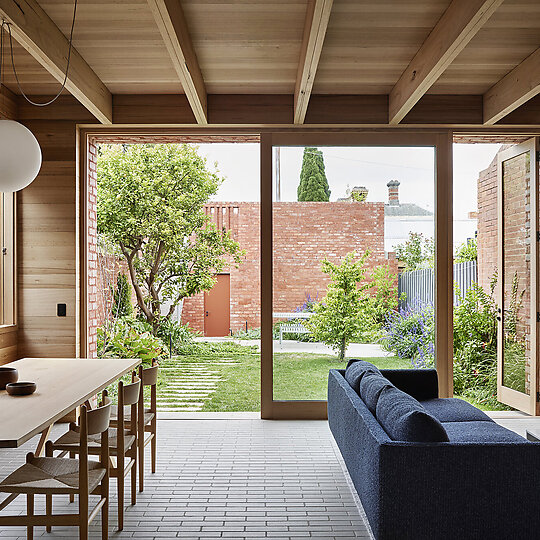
(122,298)
(313,184)
(384,295)
(468,251)
(337,318)
(150,205)
(416,252)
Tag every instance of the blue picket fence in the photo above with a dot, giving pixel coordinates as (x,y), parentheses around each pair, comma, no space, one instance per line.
(419,286)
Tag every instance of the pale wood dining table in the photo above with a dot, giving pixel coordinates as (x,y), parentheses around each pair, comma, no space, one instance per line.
(62,385)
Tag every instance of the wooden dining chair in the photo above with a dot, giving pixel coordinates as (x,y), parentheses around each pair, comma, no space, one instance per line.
(146,419)
(122,444)
(52,476)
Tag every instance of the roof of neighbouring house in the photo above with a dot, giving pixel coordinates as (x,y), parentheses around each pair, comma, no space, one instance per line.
(405,209)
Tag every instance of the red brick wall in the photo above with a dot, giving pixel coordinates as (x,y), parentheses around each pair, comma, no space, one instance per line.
(304,233)
(487,224)
(103,270)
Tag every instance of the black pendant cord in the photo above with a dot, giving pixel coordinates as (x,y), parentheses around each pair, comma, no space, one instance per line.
(36,104)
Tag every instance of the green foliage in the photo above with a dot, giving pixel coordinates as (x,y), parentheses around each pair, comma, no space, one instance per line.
(475,319)
(122,298)
(313,184)
(174,334)
(468,251)
(336,320)
(359,197)
(417,252)
(383,298)
(250,333)
(129,338)
(475,345)
(150,205)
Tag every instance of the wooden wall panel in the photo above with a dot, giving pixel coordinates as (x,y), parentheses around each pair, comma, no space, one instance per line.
(8,335)
(46,239)
(8,346)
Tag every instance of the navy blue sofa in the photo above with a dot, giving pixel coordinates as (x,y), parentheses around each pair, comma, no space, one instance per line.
(483,482)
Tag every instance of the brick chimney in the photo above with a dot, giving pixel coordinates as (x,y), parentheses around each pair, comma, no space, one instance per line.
(393,193)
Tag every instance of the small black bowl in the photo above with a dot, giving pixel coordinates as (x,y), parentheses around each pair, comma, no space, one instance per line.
(21,388)
(8,375)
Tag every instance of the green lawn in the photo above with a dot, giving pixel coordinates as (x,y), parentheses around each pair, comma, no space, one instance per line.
(297,376)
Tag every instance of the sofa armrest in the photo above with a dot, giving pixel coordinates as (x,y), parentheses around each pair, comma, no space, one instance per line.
(421,384)
(459,490)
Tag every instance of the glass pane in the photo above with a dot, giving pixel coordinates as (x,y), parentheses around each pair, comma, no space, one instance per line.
(363,214)
(516,281)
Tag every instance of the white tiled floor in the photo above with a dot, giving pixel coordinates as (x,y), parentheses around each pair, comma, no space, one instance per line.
(245,478)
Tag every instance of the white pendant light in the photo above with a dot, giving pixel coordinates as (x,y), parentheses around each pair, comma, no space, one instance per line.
(20,156)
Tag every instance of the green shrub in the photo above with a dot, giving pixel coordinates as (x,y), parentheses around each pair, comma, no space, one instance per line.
(174,334)
(475,319)
(122,298)
(336,320)
(129,338)
(468,251)
(250,333)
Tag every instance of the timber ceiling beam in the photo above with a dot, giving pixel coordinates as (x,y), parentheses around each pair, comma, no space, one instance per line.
(455,29)
(317,17)
(172,24)
(513,90)
(40,36)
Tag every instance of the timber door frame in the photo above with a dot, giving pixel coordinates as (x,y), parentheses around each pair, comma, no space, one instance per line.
(441,142)
(440,139)
(526,403)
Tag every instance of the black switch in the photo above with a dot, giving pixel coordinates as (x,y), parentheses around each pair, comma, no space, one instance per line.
(61,310)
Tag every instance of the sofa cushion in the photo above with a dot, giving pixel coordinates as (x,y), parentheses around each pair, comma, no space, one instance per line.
(355,371)
(421,384)
(480,432)
(371,386)
(454,410)
(404,418)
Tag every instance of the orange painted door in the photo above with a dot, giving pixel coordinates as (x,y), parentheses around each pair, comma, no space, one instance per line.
(217,307)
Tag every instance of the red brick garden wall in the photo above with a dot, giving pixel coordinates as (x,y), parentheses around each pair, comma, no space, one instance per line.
(487,224)
(304,234)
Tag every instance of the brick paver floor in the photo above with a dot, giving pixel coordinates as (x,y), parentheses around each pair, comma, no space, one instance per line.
(228,479)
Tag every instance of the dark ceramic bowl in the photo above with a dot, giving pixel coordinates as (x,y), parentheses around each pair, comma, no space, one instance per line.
(7,375)
(21,388)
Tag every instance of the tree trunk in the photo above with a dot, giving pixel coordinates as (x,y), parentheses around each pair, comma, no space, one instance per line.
(342,349)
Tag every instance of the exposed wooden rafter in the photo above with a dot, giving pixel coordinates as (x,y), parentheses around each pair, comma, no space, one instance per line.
(455,29)
(513,90)
(38,34)
(317,17)
(170,19)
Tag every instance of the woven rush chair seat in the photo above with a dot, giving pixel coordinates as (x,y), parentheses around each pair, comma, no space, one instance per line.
(45,475)
(71,441)
(148,415)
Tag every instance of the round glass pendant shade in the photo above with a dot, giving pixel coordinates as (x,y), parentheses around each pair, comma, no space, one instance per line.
(20,156)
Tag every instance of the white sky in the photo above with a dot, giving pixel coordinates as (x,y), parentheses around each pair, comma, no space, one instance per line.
(372,167)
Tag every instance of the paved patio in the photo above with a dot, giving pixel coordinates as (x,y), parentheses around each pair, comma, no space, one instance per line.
(238,477)
(245,478)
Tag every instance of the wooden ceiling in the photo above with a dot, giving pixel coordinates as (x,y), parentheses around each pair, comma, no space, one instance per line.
(296,47)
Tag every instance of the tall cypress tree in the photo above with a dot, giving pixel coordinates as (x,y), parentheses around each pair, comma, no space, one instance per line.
(313,184)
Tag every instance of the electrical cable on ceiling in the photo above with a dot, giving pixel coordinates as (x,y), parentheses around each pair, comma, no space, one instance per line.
(8,26)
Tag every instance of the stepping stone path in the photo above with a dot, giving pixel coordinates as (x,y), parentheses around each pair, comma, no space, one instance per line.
(190,382)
